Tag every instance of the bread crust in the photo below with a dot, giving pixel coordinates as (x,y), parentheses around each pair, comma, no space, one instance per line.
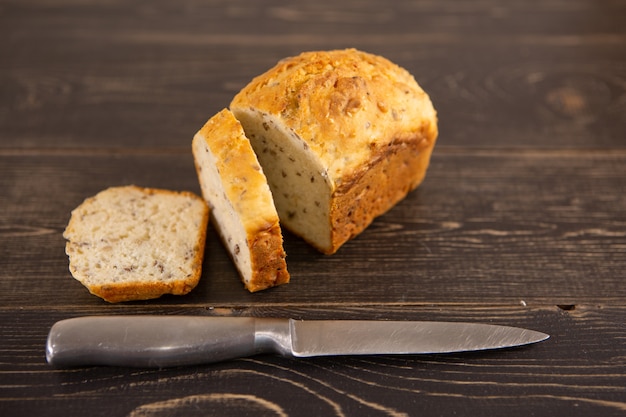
(268,259)
(367,121)
(122,292)
(376,190)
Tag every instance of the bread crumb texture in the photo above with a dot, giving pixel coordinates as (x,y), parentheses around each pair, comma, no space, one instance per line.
(240,201)
(342,136)
(131,243)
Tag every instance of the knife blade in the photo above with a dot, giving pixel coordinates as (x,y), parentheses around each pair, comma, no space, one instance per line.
(164,341)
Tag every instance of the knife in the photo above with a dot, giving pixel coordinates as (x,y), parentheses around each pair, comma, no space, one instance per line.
(163,341)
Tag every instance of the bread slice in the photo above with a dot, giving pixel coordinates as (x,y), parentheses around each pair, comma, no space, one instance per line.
(240,201)
(342,136)
(131,243)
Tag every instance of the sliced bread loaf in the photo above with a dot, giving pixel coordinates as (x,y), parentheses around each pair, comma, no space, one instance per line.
(240,201)
(131,243)
(342,137)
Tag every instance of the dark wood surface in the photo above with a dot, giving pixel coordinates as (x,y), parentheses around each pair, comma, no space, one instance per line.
(521,220)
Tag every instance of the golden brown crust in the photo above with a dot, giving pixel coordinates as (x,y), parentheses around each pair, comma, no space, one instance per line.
(344,103)
(268,259)
(383,184)
(116,293)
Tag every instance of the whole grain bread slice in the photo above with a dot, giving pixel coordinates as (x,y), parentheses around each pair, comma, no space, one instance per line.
(240,201)
(131,243)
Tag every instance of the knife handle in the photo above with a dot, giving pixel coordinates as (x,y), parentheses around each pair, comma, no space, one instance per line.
(162,341)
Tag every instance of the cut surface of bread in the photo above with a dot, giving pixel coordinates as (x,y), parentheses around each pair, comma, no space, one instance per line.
(241,204)
(342,136)
(131,243)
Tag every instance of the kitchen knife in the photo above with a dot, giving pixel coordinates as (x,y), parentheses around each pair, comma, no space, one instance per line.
(162,341)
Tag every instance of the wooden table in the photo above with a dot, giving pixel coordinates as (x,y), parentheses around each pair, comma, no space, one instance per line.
(521,220)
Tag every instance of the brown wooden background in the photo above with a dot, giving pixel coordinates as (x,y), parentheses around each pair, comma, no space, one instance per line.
(521,220)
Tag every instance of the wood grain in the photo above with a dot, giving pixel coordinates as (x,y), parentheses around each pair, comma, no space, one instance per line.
(521,219)
(574,382)
(499,75)
(496,228)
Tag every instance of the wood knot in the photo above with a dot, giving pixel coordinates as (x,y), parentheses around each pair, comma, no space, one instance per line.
(567,101)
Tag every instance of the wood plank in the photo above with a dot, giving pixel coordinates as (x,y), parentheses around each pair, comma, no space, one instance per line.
(521,219)
(487,97)
(491,228)
(271,17)
(560,375)
(500,75)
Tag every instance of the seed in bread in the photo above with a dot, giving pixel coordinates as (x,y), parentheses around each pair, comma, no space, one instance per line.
(342,136)
(240,201)
(131,243)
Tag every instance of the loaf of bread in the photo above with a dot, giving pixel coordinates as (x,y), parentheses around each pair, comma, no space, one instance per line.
(131,243)
(342,137)
(240,201)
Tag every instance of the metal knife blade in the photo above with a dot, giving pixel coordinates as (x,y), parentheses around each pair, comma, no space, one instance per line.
(162,341)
